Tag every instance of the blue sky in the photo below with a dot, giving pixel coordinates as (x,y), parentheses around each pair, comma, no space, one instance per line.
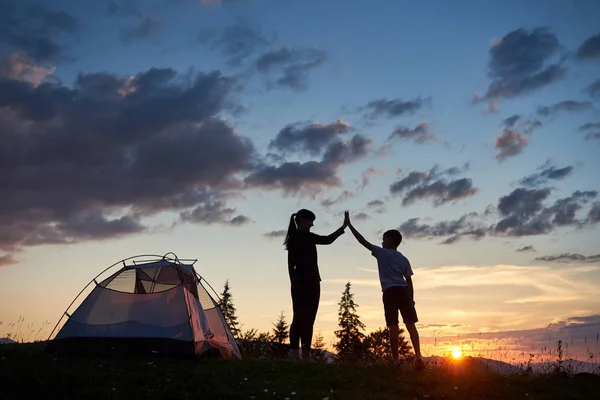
(114,145)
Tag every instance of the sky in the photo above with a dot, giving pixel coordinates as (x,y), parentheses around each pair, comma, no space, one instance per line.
(198,127)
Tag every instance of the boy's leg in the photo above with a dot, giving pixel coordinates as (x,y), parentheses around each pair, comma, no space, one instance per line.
(414,338)
(390,309)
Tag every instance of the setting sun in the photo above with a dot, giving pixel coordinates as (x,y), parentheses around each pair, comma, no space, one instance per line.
(456,353)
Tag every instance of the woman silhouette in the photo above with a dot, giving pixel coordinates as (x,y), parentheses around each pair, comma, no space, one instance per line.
(305,279)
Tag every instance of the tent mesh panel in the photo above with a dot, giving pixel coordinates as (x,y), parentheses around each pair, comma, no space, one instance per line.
(150,280)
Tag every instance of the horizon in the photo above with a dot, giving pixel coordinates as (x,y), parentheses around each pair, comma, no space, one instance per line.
(198,127)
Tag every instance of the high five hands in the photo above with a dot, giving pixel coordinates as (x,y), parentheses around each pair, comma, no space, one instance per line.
(346,219)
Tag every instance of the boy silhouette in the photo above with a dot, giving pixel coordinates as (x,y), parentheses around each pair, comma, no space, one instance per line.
(396,284)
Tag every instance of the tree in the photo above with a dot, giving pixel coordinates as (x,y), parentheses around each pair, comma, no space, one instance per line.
(280,329)
(318,349)
(350,337)
(377,345)
(228,310)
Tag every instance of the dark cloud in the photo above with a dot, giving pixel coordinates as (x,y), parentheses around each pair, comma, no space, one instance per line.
(523,213)
(590,48)
(113,8)
(515,136)
(294,177)
(392,108)
(594,214)
(570,258)
(520,63)
(211,208)
(526,249)
(236,42)
(453,230)
(593,88)
(360,216)
(345,195)
(376,203)
(309,138)
(143,28)
(590,127)
(565,106)
(276,234)
(294,64)
(35,30)
(92,161)
(423,185)
(419,134)
(366,176)
(546,173)
(510,143)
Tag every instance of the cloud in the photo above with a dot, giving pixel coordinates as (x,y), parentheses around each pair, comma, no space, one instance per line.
(211,208)
(367,174)
(295,66)
(309,138)
(93,161)
(523,214)
(512,141)
(453,230)
(360,216)
(590,48)
(520,213)
(565,106)
(570,258)
(526,249)
(431,184)
(143,28)
(593,88)
(35,30)
(546,172)
(520,63)
(345,195)
(311,176)
(419,134)
(236,42)
(276,234)
(7,260)
(392,108)
(21,67)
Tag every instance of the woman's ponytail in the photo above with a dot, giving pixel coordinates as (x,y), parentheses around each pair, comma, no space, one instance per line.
(290,232)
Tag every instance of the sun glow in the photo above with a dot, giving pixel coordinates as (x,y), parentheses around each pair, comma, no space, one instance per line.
(456,353)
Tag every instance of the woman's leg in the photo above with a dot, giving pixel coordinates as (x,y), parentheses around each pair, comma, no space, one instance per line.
(313,295)
(296,325)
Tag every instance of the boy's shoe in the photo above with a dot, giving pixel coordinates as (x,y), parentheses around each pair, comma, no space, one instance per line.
(419,363)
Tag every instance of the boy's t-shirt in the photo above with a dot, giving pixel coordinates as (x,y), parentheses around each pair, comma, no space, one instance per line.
(392,266)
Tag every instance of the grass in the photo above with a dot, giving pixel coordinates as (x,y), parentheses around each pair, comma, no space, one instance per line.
(25,370)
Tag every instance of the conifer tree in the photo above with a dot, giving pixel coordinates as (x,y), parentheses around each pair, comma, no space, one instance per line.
(228,310)
(280,329)
(377,345)
(318,348)
(350,337)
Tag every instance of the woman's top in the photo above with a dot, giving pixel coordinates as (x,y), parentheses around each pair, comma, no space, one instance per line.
(302,253)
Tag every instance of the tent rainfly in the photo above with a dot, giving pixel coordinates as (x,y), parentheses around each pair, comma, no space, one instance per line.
(157,305)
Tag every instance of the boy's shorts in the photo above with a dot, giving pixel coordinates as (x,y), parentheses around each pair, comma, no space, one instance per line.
(398,298)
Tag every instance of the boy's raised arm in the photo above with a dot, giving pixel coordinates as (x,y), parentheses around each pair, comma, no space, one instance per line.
(357,235)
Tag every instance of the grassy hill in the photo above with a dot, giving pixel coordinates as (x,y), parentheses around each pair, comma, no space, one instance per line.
(25,369)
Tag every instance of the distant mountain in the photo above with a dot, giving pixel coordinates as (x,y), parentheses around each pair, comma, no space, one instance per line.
(501,367)
(7,341)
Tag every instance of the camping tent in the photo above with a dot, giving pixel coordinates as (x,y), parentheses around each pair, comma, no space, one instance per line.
(156,305)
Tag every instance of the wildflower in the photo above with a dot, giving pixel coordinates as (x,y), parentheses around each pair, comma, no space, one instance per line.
(293,393)
(245,379)
(266,390)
